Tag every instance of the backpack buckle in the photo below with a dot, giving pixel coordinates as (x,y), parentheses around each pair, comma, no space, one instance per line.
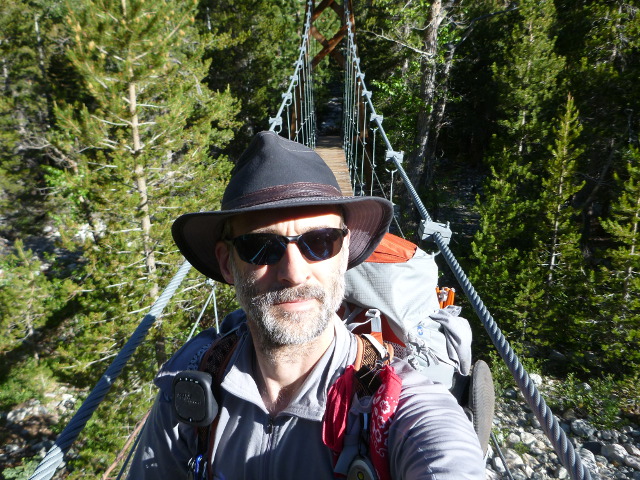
(193,401)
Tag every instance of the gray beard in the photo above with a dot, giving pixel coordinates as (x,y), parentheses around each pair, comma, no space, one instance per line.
(273,328)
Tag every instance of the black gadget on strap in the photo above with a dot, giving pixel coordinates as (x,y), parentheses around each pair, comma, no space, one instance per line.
(193,400)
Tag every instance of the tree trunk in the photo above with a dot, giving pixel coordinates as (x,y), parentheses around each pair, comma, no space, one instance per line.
(145,220)
(421,162)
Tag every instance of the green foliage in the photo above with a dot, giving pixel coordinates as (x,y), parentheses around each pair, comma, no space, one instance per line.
(108,132)
(528,77)
(521,448)
(596,399)
(618,324)
(27,297)
(24,111)
(120,414)
(31,379)
(256,44)
(502,377)
(21,472)
(139,150)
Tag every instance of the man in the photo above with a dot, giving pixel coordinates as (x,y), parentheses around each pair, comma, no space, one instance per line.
(285,237)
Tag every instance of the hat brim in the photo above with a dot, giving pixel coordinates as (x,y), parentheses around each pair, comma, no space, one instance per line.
(367,219)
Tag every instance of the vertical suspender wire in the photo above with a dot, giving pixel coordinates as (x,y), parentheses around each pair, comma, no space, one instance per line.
(303,99)
(308,100)
(373,157)
(345,109)
(354,119)
(215,309)
(312,100)
(276,121)
(296,100)
(363,108)
(352,101)
(210,298)
(55,456)
(302,88)
(353,96)
(356,133)
(304,103)
(288,106)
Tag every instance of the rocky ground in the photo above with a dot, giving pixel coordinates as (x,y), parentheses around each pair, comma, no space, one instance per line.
(608,454)
(26,431)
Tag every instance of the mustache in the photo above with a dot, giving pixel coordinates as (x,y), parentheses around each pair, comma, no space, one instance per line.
(292,294)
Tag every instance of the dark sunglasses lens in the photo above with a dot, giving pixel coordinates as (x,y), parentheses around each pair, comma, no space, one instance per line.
(259,249)
(322,244)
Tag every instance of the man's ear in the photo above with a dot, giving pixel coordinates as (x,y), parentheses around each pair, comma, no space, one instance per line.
(223,254)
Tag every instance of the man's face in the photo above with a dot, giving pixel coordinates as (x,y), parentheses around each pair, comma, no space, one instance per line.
(292,301)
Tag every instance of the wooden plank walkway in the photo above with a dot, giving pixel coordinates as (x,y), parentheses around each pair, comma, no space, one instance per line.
(330,149)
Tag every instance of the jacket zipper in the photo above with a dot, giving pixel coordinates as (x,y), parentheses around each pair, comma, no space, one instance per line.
(270,425)
(268,451)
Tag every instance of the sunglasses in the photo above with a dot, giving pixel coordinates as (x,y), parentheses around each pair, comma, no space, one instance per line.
(269,248)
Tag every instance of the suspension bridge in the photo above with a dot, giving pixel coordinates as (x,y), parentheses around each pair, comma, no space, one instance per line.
(356,158)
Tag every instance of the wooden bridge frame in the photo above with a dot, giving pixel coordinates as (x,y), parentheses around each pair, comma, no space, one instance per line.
(329,46)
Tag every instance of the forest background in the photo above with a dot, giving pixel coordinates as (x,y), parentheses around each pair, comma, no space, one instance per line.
(116,117)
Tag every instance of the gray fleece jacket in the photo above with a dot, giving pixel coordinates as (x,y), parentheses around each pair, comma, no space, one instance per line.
(429,438)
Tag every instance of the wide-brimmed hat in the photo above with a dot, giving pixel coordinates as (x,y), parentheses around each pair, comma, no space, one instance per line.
(276,173)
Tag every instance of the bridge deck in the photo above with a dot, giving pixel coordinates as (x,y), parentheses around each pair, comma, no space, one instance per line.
(330,149)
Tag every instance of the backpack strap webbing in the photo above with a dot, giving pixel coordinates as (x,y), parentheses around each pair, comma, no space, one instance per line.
(214,362)
(369,360)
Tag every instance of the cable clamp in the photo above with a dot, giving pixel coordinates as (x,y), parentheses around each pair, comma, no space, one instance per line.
(393,155)
(275,122)
(428,229)
(377,118)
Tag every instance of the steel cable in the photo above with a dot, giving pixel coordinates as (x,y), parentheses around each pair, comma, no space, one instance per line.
(55,456)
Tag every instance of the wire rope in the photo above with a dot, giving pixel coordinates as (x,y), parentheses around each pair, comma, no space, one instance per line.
(54,457)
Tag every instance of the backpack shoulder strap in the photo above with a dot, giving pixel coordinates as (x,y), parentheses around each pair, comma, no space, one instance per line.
(214,362)
(216,358)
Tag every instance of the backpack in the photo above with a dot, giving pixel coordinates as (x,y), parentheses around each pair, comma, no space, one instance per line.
(419,320)
(416,316)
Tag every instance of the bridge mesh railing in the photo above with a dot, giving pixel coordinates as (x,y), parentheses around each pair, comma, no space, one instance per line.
(296,116)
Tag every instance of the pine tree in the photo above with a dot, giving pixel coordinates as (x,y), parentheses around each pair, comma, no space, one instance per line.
(25,111)
(502,262)
(27,299)
(527,78)
(138,145)
(560,264)
(259,42)
(619,323)
(601,41)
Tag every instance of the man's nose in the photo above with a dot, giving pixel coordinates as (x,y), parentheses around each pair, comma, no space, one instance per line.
(293,268)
